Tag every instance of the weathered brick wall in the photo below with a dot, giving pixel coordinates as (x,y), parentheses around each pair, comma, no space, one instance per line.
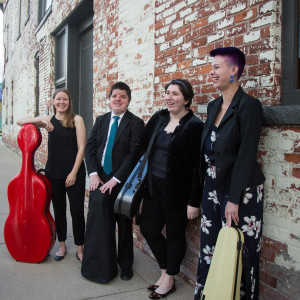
(124,50)
(147,43)
(20,69)
(280,264)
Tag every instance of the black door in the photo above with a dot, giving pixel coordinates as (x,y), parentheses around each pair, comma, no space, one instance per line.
(86,77)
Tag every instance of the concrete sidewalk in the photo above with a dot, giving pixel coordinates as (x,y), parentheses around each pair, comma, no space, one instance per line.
(63,280)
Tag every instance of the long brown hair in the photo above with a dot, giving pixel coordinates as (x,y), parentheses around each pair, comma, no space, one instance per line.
(68,120)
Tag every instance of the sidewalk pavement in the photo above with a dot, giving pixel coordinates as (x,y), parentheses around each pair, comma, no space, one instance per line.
(63,280)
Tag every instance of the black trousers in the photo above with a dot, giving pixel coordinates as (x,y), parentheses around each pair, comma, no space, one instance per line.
(76,194)
(169,251)
(100,257)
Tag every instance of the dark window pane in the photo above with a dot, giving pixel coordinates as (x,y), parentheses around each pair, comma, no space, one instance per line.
(60,56)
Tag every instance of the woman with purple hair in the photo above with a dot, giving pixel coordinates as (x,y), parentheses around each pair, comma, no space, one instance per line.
(229,173)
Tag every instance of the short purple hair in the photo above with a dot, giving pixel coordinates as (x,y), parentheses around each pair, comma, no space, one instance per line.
(235,56)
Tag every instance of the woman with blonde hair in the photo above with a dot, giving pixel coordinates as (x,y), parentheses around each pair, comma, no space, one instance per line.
(65,168)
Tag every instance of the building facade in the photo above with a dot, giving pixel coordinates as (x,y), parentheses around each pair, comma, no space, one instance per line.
(87,45)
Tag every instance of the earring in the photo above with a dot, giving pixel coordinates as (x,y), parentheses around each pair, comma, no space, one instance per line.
(231,78)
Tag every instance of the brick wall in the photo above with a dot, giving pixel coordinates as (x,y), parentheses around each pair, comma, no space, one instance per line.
(147,43)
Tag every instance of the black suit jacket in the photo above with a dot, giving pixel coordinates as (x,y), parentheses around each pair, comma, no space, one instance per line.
(127,136)
(236,144)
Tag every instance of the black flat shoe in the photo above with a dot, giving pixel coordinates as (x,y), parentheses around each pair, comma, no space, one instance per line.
(126,276)
(152,287)
(155,295)
(60,257)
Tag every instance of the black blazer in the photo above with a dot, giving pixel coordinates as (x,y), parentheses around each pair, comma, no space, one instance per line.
(127,136)
(183,186)
(236,144)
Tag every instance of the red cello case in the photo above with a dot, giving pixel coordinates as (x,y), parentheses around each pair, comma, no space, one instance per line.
(29,230)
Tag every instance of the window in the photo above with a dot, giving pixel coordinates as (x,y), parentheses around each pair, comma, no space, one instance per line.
(290,52)
(61,58)
(44,5)
(28,12)
(43,13)
(6,43)
(6,106)
(12,104)
(20,14)
(37,84)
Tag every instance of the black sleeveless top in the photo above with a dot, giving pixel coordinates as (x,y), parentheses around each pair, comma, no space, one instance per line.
(62,151)
(159,159)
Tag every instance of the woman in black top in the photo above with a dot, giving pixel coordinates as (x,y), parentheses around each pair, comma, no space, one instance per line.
(173,194)
(230,173)
(65,167)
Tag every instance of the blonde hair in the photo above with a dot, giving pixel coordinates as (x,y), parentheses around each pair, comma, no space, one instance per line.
(68,120)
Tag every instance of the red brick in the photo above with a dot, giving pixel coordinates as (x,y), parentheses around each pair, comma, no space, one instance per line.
(201,99)
(206,89)
(268,254)
(231,3)
(296,172)
(242,16)
(179,57)
(238,40)
(184,30)
(292,128)
(204,69)
(274,245)
(266,278)
(255,2)
(184,64)
(165,78)
(199,42)
(192,36)
(252,59)
(177,75)
(260,46)
(236,30)
(259,69)
(270,293)
(159,25)
(208,10)
(197,80)
(260,17)
(268,92)
(293,158)
(265,32)
(159,71)
(200,23)
(228,42)
(171,35)
(209,29)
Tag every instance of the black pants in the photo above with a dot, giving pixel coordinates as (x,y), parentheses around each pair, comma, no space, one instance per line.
(169,251)
(76,194)
(100,256)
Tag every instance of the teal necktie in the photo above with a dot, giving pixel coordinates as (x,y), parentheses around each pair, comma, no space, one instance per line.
(107,166)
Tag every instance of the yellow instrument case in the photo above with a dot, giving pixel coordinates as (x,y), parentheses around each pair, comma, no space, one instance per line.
(224,276)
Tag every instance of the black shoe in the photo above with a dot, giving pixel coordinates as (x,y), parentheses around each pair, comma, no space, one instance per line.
(155,295)
(152,287)
(58,257)
(126,275)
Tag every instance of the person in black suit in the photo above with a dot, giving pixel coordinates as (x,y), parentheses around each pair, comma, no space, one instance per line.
(107,153)
(229,171)
(173,191)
